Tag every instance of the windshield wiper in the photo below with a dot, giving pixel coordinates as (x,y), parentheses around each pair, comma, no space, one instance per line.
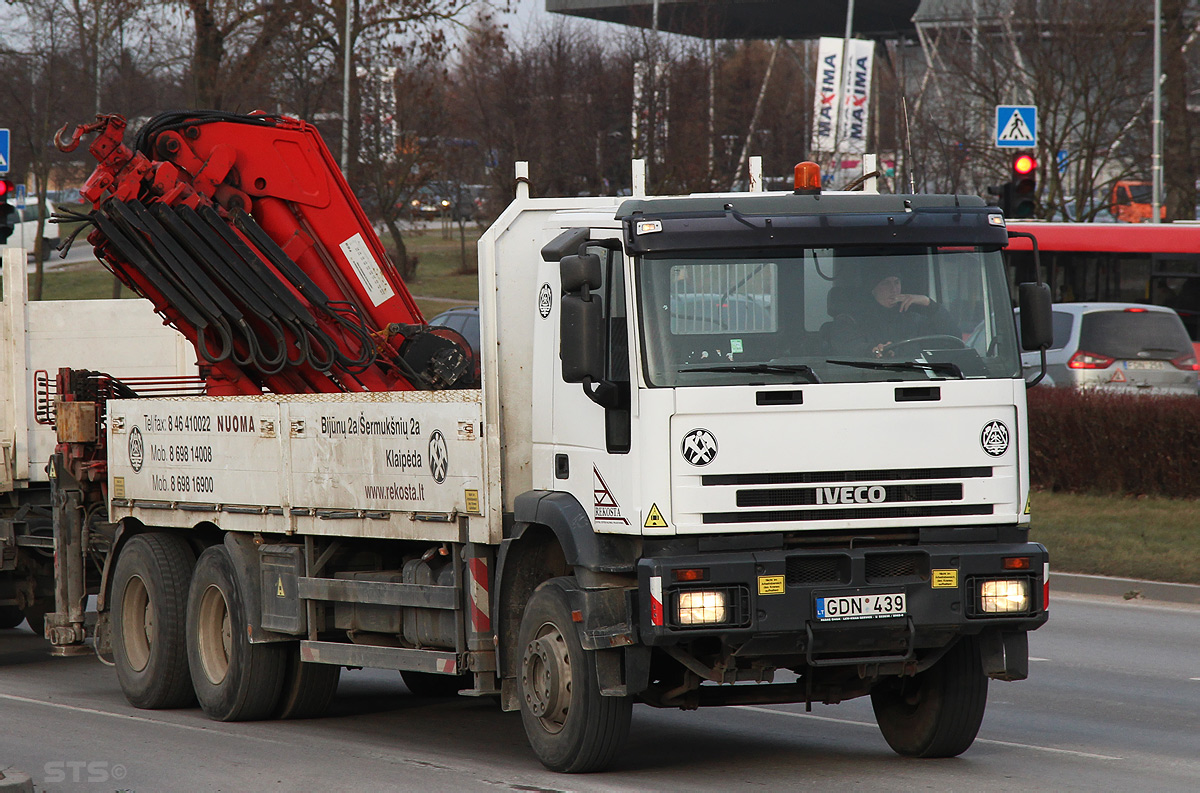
(939,367)
(757,368)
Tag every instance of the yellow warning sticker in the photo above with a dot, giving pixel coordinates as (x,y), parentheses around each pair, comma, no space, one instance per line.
(472,498)
(279,593)
(1027,500)
(655,519)
(771,585)
(944,579)
(118,487)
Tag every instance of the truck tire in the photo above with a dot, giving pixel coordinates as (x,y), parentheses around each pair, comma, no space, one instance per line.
(150,589)
(938,712)
(234,680)
(569,725)
(10,617)
(433,685)
(307,688)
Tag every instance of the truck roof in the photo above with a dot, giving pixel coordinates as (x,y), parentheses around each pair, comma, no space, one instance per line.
(786,220)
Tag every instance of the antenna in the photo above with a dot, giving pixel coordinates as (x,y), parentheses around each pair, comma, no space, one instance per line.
(912,185)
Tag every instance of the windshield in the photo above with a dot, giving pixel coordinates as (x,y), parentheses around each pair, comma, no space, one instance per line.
(829,315)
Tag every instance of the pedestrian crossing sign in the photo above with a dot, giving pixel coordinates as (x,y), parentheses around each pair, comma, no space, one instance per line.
(1016,126)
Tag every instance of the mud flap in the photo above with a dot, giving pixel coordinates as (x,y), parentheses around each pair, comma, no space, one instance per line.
(1005,654)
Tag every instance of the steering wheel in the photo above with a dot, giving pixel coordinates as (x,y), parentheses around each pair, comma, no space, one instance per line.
(953,342)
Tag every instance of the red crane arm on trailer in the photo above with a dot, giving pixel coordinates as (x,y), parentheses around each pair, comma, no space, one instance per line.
(246,237)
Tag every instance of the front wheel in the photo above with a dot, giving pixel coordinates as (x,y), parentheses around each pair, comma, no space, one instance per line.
(938,712)
(234,679)
(570,726)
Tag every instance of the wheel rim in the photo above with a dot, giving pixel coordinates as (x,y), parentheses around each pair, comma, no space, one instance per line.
(214,637)
(137,623)
(546,678)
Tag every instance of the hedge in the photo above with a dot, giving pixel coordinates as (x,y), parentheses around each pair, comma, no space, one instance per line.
(1085,441)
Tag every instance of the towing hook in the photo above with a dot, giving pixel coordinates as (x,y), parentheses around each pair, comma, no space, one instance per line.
(102,121)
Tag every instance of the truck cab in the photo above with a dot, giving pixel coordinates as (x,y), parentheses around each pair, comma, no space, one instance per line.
(722,421)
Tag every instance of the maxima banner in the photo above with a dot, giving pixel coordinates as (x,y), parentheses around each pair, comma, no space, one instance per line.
(854,96)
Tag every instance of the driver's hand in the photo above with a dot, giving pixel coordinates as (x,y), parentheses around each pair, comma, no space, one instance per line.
(905,301)
(880,349)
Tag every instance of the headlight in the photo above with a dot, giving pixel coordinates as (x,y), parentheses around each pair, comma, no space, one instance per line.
(699,607)
(1004,596)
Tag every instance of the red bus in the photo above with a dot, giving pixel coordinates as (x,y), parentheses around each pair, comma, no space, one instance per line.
(1155,263)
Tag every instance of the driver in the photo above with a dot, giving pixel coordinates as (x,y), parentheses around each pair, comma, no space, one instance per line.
(887,315)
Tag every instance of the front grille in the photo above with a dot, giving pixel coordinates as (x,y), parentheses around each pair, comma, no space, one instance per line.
(809,570)
(951,491)
(828,477)
(883,568)
(849,513)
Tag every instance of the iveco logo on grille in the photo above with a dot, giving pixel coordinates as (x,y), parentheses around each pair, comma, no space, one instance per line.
(851,495)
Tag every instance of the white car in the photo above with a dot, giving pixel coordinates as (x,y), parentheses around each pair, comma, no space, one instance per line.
(24,233)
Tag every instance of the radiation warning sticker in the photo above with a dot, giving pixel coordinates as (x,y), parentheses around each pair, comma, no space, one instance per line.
(944,579)
(655,520)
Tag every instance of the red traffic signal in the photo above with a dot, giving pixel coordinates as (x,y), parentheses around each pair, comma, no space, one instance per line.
(1024,164)
(6,189)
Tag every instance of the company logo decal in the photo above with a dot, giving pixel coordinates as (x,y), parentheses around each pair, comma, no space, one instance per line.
(994,438)
(699,447)
(137,450)
(851,495)
(545,300)
(605,509)
(439,456)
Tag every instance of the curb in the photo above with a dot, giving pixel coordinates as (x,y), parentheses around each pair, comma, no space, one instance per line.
(1128,588)
(14,781)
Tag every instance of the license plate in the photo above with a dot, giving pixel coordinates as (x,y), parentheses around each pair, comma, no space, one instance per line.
(861,607)
(1145,364)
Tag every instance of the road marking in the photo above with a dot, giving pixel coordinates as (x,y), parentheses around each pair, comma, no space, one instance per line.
(1031,658)
(127,717)
(1194,678)
(1050,749)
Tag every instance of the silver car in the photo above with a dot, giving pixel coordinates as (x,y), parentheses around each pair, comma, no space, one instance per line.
(1120,347)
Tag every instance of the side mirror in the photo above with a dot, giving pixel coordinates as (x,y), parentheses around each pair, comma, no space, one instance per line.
(1037,328)
(580,273)
(580,339)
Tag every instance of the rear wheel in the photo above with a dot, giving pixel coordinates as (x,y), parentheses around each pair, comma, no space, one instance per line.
(307,688)
(233,679)
(150,586)
(10,617)
(570,726)
(938,712)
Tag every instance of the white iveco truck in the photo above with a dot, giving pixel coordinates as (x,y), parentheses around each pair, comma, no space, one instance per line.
(690,464)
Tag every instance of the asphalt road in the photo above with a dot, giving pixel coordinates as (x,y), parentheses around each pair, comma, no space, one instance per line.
(1113,703)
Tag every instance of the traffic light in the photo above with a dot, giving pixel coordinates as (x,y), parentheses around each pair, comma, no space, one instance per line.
(1023,198)
(8,213)
(1004,197)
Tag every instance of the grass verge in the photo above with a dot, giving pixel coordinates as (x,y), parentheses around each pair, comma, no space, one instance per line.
(1156,539)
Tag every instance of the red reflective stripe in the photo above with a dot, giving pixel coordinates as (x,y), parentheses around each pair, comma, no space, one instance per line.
(480,601)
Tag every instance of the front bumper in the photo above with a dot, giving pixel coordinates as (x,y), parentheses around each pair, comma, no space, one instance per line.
(771,606)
